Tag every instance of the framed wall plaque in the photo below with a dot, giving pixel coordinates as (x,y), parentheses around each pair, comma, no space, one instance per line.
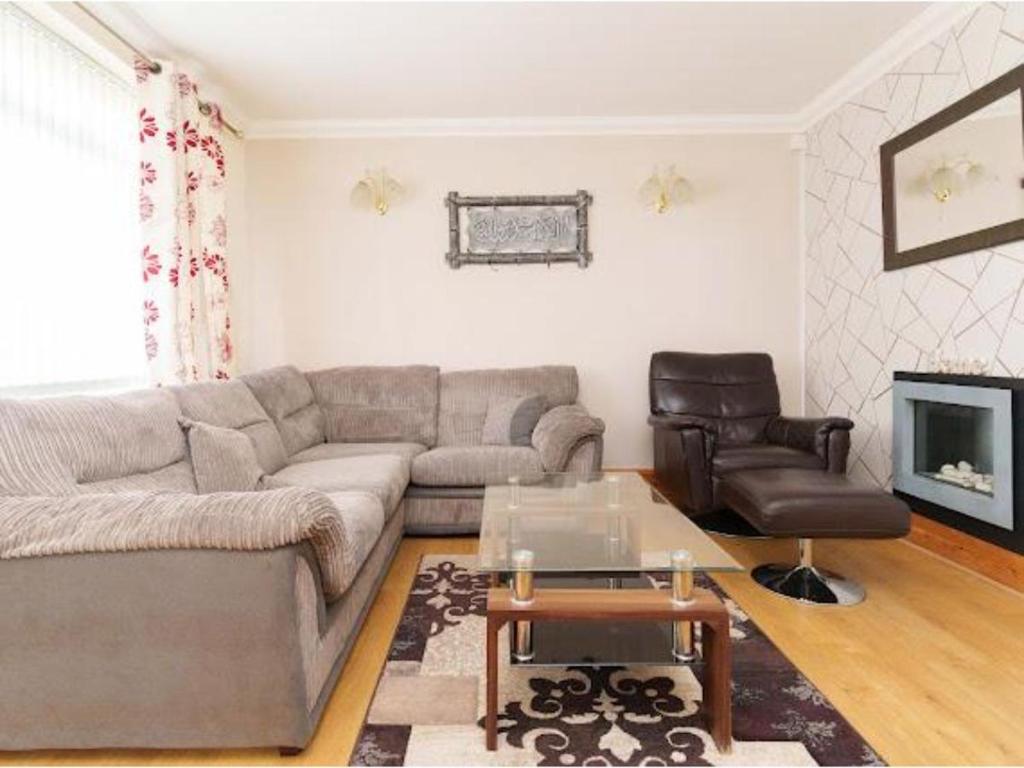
(518,229)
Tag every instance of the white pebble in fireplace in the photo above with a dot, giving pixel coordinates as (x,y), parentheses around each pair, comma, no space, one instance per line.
(963,474)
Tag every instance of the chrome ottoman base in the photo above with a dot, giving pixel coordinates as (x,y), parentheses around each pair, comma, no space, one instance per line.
(807,584)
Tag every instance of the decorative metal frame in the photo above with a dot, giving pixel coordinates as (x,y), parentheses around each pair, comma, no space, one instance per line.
(456,257)
(989,237)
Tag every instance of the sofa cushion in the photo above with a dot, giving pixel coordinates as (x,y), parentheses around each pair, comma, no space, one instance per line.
(378,404)
(231,404)
(52,446)
(510,420)
(223,459)
(465,396)
(383,475)
(475,465)
(363,515)
(761,456)
(344,450)
(287,398)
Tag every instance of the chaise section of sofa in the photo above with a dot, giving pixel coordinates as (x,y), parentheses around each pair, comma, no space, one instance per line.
(138,613)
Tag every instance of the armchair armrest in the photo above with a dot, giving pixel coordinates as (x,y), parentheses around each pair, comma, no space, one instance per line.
(827,437)
(560,430)
(681,421)
(683,448)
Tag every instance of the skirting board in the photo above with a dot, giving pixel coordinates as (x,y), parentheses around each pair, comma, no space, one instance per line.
(976,555)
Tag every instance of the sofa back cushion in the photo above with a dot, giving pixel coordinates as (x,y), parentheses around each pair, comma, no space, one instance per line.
(465,396)
(378,404)
(61,446)
(737,392)
(230,404)
(287,398)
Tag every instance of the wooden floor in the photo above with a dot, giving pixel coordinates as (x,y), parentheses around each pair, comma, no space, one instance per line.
(930,668)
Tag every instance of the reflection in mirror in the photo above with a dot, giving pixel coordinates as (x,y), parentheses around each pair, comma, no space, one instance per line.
(962,179)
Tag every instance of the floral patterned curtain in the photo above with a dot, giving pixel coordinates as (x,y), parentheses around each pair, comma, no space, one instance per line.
(182,181)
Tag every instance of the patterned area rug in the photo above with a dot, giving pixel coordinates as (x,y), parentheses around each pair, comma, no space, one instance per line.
(429,704)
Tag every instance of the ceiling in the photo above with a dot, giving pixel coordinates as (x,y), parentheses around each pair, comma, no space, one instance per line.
(366,61)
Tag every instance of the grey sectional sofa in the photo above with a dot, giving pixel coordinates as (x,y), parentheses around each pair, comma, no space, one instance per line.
(139,613)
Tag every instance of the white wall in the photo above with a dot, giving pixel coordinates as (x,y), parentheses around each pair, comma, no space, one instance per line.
(326,284)
(863,323)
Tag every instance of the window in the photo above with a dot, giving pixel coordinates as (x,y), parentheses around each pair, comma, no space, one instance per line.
(70,287)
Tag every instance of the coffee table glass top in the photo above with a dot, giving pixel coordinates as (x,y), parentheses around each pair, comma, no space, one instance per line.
(603,522)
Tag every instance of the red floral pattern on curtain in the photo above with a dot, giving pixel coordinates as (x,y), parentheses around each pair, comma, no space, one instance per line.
(182,179)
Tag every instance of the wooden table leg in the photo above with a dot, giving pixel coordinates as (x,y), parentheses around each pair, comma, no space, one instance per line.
(718,683)
(491,718)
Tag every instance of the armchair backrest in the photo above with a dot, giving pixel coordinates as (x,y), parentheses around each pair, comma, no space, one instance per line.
(737,391)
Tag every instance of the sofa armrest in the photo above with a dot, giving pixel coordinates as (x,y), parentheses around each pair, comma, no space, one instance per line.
(560,430)
(38,526)
(827,437)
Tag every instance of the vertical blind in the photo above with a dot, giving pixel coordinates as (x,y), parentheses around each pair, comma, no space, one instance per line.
(70,280)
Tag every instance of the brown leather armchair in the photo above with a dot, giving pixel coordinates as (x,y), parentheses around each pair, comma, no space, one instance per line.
(715,414)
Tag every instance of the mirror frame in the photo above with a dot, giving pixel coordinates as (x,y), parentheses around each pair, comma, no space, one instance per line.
(972,241)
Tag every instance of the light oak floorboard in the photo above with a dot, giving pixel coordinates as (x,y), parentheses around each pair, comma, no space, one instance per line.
(929,669)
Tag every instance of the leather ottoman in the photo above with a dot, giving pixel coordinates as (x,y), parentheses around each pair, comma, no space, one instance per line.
(809,504)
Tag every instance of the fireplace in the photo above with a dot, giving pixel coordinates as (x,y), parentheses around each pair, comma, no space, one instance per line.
(957,451)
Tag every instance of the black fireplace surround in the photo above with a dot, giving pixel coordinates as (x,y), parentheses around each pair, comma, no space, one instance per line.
(949,421)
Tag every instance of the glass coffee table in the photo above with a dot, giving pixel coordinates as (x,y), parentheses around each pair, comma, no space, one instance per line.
(598,569)
(597,531)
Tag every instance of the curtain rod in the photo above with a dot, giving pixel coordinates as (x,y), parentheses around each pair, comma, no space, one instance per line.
(154,66)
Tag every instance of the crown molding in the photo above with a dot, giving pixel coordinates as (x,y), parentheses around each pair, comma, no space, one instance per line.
(918,32)
(667,125)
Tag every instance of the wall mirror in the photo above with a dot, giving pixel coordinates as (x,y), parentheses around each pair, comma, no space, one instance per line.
(954,183)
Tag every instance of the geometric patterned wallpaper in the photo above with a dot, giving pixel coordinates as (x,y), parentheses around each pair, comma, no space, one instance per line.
(863,323)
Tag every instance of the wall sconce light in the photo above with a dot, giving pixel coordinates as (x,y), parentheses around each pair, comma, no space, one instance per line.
(377,190)
(949,178)
(665,188)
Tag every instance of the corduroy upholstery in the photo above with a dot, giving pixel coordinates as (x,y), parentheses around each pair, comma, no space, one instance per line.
(140,613)
(230,404)
(287,398)
(378,404)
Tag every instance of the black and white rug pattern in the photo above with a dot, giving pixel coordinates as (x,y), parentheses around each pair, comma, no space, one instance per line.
(428,707)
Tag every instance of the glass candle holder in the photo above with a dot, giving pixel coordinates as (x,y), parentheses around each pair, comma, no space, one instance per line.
(515,492)
(614,498)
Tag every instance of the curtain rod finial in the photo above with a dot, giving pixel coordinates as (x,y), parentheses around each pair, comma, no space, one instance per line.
(155,68)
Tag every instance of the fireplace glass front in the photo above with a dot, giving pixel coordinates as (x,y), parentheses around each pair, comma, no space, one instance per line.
(953,444)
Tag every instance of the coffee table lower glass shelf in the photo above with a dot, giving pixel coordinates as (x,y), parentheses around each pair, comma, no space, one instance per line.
(595,535)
